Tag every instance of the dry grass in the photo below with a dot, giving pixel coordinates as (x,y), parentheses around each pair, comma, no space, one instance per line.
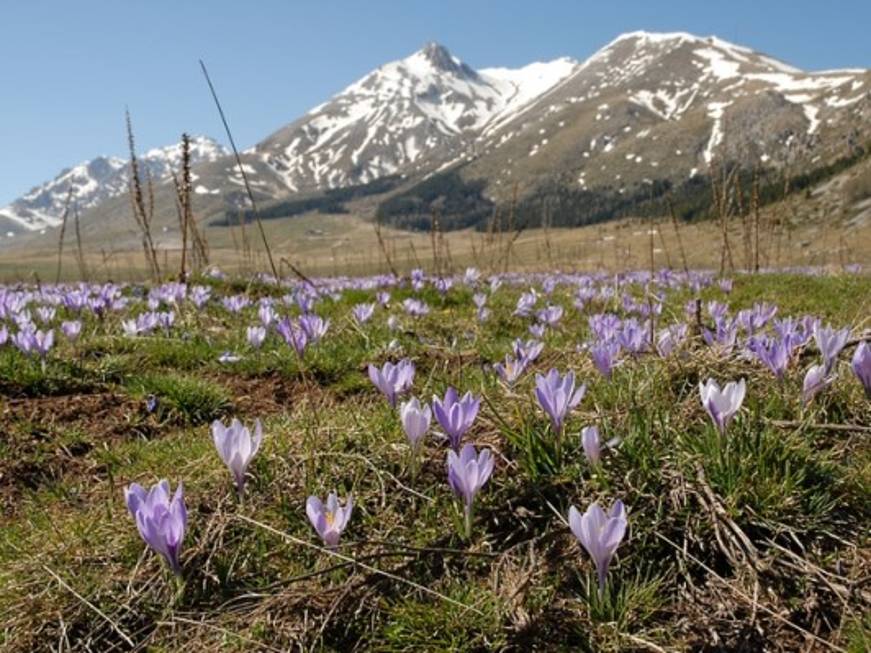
(335,245)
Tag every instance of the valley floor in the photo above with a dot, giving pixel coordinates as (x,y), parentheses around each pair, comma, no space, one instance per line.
(329,245)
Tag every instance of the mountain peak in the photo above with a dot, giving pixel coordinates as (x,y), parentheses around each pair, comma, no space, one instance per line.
(438,55)
(440,59)
(663,42)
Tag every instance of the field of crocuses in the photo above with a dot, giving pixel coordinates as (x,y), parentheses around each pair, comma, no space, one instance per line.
(594,462)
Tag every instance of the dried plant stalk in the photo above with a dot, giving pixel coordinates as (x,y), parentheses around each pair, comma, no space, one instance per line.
(142,213)
(63,229)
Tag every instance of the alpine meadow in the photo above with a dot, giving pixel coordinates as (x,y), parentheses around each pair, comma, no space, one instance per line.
(568,356)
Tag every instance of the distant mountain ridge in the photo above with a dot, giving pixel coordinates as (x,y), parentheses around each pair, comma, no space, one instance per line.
(646,109)
(99,179)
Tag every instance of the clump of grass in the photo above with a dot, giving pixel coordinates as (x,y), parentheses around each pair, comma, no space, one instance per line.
(182,399)
(25,376)
(627,603)
(767,473)
(187,354)
(414,624)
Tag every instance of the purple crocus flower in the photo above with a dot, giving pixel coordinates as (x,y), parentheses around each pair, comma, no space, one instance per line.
(29,341)
(557,396)
(266,314)
(510,371)
(717,310)
(600,534)
(255,336)
(815,381)
(455,415)
(363,312)
(237,447)
(471,277)
(71,329)
(200,295)
(314,326)
(235,303)
(305,300)
(165,319)
(443,285)
(591,443)
(417,279)
(293,335)
(161,521)
(755,318)
(527,351)
(229,357)
(550,315)
(722,405)
(633,336)
(330,519)
(415,418)
(392,379)
(775,355)
(4,334)
(526,303)
(830,343)
(670,339)
(415,307)
(604,355)
(723,338)
(45,314)
(43,341)
(468,472)
(861,365)
(537,330)
(794,333)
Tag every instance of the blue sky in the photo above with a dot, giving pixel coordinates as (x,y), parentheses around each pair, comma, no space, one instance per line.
(67,69)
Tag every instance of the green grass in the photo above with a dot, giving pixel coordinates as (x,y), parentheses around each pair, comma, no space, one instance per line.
(183,399)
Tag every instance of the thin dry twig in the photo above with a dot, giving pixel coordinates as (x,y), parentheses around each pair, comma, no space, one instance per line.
(90,605)
(374,570)
(749,600)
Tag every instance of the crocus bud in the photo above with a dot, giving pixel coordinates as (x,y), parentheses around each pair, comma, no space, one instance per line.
(237,447)
(600,534)
(416,418)
(161,521)
(862,366)
(722,405)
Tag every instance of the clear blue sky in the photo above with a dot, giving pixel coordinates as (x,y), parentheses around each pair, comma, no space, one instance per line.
(68,68)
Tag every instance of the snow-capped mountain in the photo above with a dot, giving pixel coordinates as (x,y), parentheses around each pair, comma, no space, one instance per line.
(402,117)
(97,180)
(645,108)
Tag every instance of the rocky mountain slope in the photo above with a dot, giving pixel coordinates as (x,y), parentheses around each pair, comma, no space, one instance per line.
(671,106)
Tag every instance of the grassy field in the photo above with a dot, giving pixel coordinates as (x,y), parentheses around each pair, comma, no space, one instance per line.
(348,244)
(752,540)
